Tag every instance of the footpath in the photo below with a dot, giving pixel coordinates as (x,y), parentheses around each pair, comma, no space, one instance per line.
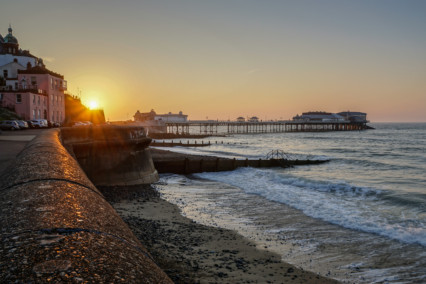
(13,142)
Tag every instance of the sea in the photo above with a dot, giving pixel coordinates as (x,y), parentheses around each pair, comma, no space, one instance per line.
(359,218)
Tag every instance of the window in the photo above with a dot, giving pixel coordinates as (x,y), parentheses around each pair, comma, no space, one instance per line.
(34,114)
(38,100)
(51,83)
(33,80)
(18,98)
(1,97)
(39,114)
(5,73)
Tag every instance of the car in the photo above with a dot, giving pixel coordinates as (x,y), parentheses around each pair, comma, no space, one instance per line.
(81,123)
(9,125)
(30,124)
(39,123)
(22,124)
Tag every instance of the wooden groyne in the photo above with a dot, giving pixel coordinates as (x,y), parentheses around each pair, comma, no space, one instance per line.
(187,144)
(180,144)
(214,164)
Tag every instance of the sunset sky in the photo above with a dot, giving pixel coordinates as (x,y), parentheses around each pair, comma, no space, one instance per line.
(221,59)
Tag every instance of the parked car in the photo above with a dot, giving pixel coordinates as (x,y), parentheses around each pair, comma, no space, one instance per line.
(9,125)
(39,123)
(81,123)
(22,124)
(30,124)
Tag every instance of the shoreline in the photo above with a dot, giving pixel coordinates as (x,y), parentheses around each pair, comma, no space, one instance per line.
(193,253)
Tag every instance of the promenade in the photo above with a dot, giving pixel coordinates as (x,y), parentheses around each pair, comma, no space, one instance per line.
(12,142)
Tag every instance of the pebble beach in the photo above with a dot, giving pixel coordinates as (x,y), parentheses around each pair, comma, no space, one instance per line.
(193,253)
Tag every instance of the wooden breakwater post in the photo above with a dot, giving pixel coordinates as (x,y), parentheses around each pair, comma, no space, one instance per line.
(216,164)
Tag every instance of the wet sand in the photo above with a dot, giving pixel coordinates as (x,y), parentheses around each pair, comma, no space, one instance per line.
(192,253)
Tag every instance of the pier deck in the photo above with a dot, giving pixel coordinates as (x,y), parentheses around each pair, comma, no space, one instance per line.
(227,127)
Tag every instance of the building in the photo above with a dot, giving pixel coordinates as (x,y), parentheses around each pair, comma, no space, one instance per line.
(319,116)
(152,115)
(27,86)
(240,119)
(144,116)
(354,116)
(172,117)
(253,119)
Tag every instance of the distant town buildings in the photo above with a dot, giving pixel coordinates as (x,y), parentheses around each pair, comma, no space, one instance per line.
(27,86)
(321,116)
(152,115)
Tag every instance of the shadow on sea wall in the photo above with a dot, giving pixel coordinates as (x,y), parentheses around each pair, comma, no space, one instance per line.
(111,155)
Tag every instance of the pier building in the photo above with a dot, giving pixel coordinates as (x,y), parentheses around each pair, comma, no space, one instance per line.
(168,117)
(320,116)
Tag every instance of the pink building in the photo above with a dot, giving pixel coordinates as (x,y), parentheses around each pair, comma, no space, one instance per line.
(39,94)
(33,91)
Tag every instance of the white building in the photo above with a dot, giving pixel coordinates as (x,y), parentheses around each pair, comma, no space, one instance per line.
(10,52)
(319,116)
(172,117)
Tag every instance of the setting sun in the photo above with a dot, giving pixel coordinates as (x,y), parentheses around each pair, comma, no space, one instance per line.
(93,104)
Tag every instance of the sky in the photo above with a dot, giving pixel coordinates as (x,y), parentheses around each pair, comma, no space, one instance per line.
(220,59)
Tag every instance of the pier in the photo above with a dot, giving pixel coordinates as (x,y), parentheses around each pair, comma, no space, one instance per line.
(228,127)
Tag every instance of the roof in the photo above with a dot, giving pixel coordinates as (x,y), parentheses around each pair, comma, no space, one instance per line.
(9,38)
(352,113)
(40,70)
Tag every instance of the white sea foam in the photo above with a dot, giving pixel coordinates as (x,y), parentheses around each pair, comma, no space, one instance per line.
(337,202)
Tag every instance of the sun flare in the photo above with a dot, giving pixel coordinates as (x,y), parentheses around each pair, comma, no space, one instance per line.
(93,104)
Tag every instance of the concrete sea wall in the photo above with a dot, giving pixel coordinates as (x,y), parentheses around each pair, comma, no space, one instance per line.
(112,155)
(56,226)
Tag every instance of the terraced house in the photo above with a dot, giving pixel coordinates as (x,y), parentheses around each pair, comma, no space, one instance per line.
(27,86)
